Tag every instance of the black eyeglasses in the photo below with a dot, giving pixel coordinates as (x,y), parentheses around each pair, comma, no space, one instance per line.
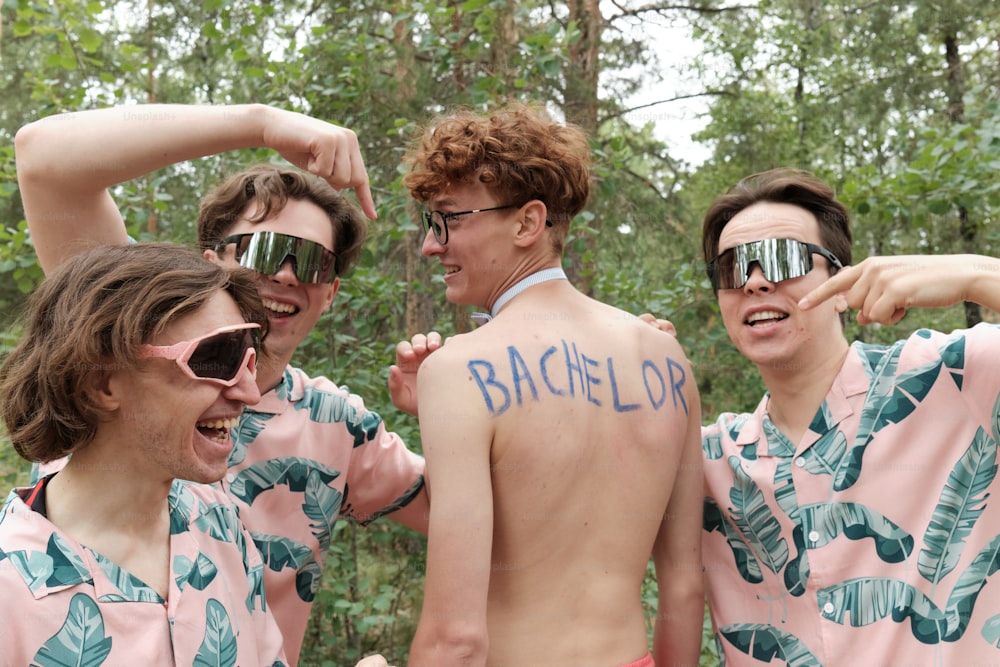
(779,259)
(265,252)
(437,221)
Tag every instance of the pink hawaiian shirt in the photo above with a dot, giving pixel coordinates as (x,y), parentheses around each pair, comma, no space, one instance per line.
(876,539)
(306,455)
(63,604)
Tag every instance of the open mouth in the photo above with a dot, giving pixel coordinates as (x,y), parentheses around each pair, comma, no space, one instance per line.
(217,429)
(277,309)
(765,317)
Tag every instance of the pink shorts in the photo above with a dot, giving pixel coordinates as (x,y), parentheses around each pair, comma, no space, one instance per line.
(645,662)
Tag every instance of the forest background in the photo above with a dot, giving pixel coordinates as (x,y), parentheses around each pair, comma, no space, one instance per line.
(895,103)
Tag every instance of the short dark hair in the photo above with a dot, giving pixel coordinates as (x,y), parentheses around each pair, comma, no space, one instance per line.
(270,187)
(91,314)
(784,186)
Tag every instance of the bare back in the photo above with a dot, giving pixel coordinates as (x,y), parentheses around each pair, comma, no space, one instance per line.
(590,410)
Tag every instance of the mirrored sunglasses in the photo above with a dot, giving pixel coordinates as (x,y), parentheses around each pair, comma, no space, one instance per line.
(219,356)
(779,259)
(265,252)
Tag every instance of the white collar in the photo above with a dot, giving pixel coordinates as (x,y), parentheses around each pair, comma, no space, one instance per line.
(528,281)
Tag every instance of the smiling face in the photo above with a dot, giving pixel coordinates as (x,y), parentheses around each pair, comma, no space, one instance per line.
(762,318)
(170,425)
(293,307)
(479,258)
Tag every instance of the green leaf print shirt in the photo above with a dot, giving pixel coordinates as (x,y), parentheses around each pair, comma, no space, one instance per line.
(64,604)
(876,539)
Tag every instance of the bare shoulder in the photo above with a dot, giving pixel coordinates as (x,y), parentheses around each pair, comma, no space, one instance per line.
(450,363)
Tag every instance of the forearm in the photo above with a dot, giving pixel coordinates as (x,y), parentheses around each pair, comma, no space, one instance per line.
(92,150)
(415,514)
(679,620)
(984,285)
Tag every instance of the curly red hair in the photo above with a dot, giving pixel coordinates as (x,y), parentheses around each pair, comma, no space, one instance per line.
(519,152)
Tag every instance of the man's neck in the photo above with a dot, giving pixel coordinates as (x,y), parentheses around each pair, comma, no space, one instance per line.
(270,371)
(97,494)
(796,395)
(121,516)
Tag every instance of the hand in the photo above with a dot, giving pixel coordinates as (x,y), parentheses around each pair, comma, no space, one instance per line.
(666,326)
(403,374)
(373,661)
(326,150)
(882,288)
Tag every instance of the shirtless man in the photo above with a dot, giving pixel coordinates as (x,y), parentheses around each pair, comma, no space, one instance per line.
(562,439)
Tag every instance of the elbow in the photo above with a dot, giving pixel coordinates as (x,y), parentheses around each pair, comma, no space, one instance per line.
(25,151)
(455,645)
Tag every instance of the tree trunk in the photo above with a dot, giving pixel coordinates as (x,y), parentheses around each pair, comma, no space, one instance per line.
(956,113)
(580,104)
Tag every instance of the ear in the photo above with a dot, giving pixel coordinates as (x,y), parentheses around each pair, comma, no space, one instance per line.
(104,388)
(840,302)
(332,290)
(533,217)
(211,256)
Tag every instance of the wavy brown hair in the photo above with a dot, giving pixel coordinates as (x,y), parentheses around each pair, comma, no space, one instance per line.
(517,151)
(270,187)
(91,316)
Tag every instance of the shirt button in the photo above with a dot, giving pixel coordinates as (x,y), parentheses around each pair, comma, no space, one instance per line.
(828,608)
(800,462)
(814,536)
(230,477)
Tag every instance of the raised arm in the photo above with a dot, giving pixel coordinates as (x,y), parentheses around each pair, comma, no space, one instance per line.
(680,609)
(882,288)
(66,163)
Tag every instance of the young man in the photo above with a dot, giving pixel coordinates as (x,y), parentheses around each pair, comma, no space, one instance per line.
(308,452)
(561,437)
(853,517)
(138,361)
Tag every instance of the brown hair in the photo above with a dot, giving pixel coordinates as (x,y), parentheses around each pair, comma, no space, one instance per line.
(93,314)
(518,152)
(270,187)
(784,186)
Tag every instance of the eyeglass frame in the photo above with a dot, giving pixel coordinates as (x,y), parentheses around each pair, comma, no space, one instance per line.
(182,351)
(428,217)
(813,249)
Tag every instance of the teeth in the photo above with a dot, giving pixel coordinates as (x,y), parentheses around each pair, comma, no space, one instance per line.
(278,307)
(224,424)
(453,269)
(766,315)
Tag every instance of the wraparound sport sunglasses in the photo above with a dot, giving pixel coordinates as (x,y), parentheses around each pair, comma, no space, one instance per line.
(779,259)
(265,252)
(219,356)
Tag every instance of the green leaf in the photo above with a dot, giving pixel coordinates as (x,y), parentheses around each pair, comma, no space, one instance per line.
(752,516)
(959,506)
(868,600)
(218,649)
(746,563)
(970,584)
(80,640)
(765,643)
(199,573)
(292,471)
(828,520)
